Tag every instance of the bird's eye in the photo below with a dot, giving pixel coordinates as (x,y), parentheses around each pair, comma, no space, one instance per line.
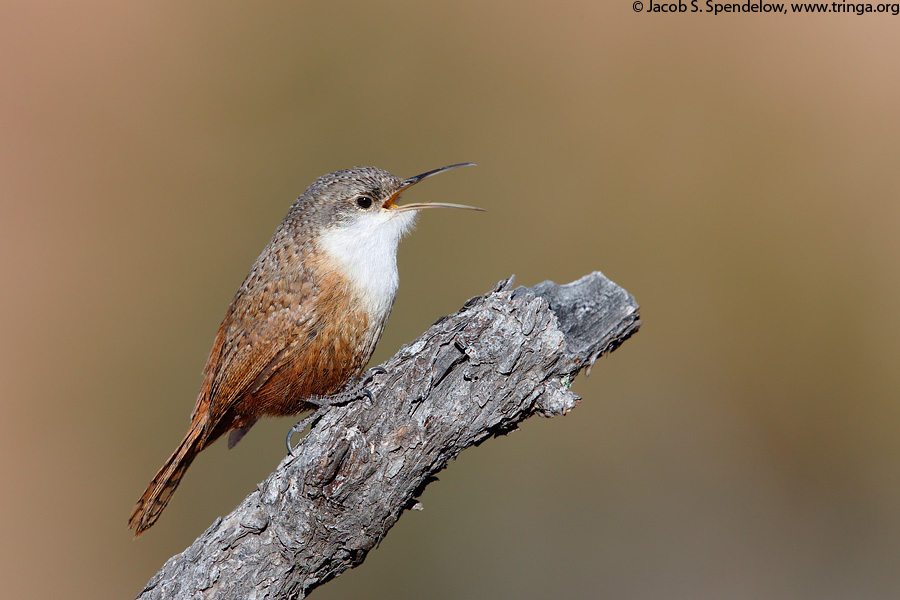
(364,202)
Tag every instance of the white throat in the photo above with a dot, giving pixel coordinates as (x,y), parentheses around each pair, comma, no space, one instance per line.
(367,249)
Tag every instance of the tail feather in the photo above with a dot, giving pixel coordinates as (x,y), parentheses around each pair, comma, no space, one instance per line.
(160,490)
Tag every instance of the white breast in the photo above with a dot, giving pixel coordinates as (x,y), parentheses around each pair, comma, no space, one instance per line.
(367,250)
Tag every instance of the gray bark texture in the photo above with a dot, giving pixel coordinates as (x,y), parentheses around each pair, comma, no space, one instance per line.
(500,359)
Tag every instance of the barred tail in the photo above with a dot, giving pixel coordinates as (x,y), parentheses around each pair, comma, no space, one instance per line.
(160,490)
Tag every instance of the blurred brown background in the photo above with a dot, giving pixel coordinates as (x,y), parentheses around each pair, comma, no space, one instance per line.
(738,174)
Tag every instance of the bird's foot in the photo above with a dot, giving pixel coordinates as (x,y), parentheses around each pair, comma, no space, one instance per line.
(357,388)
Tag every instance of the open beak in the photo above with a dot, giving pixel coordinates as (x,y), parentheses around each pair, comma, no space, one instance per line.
(408,183)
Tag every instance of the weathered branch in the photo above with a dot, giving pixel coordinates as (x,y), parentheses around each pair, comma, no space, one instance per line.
(502,358)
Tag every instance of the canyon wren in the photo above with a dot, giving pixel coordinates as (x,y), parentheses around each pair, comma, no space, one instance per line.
(306,319)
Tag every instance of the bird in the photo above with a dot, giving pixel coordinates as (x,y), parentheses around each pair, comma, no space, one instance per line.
(305,320)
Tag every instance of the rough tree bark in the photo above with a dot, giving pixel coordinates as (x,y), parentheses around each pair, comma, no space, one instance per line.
(502,358)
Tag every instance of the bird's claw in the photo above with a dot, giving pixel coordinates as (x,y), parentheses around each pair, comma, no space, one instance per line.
(369,395)
(301,426)
(371,373)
